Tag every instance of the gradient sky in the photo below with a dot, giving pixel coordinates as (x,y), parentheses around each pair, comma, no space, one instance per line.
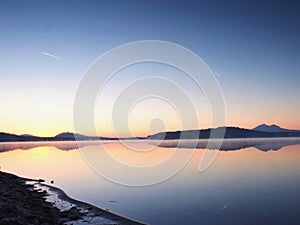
(252,45)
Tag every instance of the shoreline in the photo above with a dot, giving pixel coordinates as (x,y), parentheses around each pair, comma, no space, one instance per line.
(29,201)
(224,132)
(167,143)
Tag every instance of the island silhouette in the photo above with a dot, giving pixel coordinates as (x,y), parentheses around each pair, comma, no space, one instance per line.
(235,138)
(261,131)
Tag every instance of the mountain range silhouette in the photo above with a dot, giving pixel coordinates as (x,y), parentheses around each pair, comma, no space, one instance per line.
(262,137)
(261,131)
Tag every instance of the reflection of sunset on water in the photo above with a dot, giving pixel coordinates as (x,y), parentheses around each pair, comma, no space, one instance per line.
(256,172)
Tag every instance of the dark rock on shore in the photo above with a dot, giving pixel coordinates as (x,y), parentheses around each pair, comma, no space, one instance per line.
(21,204)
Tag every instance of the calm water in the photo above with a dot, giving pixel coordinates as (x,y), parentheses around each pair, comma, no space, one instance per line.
(253,185)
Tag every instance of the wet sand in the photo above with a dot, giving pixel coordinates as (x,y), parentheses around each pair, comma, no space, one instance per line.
(25,201)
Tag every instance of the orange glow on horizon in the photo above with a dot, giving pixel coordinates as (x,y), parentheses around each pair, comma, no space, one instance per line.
(52,131)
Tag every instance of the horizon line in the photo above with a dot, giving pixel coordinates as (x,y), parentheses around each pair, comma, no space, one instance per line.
(141,136)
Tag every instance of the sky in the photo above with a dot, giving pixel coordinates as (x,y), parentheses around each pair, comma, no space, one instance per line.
(47,46)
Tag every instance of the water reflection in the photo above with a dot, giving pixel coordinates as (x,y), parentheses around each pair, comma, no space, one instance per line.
(60,145)
(262,144)
(241,187)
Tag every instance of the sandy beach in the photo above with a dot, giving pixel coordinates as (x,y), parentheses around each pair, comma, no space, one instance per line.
(25,201)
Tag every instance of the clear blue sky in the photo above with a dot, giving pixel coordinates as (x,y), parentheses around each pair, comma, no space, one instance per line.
(253,45)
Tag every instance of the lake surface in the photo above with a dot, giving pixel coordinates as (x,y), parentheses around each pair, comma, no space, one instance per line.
(251,184)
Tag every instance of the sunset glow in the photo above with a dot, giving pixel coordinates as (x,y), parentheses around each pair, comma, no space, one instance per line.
(44,64)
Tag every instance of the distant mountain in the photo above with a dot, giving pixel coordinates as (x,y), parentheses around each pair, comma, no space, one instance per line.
(67,136)
(272,128)
(26,135)
(6,137)
(72,136)
(230,132)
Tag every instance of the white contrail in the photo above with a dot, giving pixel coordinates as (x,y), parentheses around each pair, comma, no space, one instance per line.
(217,74)
(224,207)
(53,56)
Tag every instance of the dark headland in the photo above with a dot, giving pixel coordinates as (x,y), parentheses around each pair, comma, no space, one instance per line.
(222,132)
(261,131)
